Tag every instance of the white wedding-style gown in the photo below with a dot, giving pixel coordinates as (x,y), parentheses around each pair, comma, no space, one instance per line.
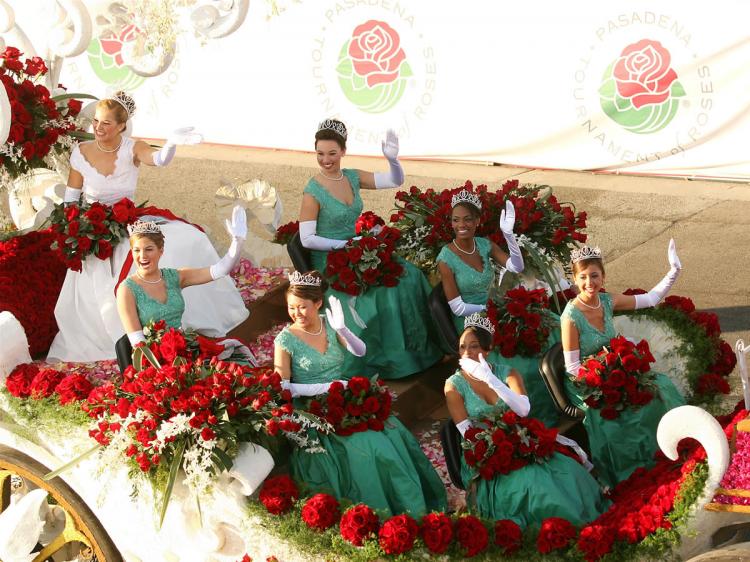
(86,310)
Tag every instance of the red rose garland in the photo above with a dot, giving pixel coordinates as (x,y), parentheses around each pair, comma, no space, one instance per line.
(436,532)
(397,535)
(522,322)
(44,383)
(508,536)
(472,535)
(358,523)
(618,378)
(594,542)
(320,512)
(278,494)
(28,381)
(554,534)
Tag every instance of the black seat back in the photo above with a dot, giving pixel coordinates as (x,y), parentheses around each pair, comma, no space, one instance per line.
(552,369)
(299,254)
(450,439)
(442,315)
(124,352)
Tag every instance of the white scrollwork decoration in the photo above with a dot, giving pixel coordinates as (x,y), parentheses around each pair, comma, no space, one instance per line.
(72,34)
(210,22)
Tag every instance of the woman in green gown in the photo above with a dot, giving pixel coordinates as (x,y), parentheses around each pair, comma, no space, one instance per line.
(557,487)
(399,333)
(621,445)
(467,275)
(386,469)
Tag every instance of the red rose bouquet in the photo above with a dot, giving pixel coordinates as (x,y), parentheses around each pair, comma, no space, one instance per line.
(29,381)
(507,442)
(508,536)
(358,523)
(398,533)
(471,534)
(555,533)
(41,126)
(618,378)
(368,222)
(366,262)
(84,229)
(522,321)
(436,532)
(362,405)
(285,232)
(321,512)
(278,494)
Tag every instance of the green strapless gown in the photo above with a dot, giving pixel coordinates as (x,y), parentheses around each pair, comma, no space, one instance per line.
(560,487)
(474,287)
(387,470)
(400,336)
(621,445)
(150,309)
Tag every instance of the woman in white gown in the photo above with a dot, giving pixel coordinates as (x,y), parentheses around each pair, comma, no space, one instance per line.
(106,170)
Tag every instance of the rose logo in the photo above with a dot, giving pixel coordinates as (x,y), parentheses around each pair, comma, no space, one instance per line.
(372,67)
(106,59)
(640,91)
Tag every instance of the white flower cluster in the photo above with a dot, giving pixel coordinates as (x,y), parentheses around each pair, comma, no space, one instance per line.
(198,465)
(411,243)
(176,425)
(120,440)
(303,439)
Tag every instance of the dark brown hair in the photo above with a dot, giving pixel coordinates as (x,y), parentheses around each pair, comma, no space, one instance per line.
(330,134)
(309,292)
(583,264)
(473,209)
(483,336)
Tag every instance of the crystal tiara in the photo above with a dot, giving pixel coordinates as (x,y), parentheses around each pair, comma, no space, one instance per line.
(332,124)
(585,253)
(479,321)
(465,196)
(297,278)
(125,101)
(143,227)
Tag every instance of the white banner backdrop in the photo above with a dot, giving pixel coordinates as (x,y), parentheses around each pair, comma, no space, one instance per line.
(638,87)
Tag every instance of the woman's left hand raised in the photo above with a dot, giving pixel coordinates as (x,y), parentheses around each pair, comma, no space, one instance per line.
(335,314)
(674,261)
(390,145)
(185,135)
(237,226)
(508,217)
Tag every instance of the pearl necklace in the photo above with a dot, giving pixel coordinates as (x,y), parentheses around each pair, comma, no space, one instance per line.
(159,280)
(115,149)
(599,304)
(459,248)
(341,177)
(320,330)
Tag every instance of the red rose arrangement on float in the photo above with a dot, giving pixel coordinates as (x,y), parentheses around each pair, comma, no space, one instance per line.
(29,381)
(321,512)
(471,535)
(618,378)
(362,405)
(40,124)
(507,442)
(397,534)
(522,322)
(366,262)
(358,523)
(175,346)
(28,259)
(285,232)
(278,494)
(436,532)
(423,217)
(84,229)
(555,533)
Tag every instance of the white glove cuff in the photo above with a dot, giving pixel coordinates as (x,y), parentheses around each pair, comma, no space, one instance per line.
(354,345)
(136,337)
(164,156)
(392,178)
(72,194)
(572,361)
(299,389)
(310,240)
(463,426)
(461,308)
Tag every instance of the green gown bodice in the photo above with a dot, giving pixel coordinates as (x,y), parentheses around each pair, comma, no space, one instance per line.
(150,309)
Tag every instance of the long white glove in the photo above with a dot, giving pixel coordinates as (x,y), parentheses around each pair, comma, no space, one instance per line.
(335,316)
(299,389)
(237,228)
(481,370)
(463,426)
(185,135)
(572,361)
(232,346)
(507,220)
(395,176)
(72,194)
(309,238)
(655,295)
(461,308)
(136,337)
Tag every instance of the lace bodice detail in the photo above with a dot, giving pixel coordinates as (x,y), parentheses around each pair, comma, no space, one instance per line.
(108,189)
(335,218)
(590,339)
(309,365)
(475,406)
(149,309)
(474,286)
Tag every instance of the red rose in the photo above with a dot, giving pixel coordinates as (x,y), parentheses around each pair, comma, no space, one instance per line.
(320,512)
(436,532)
(84,244)
(44,382)
(278,494)
(643,73)
(555,533)
(508,536)
(208,347)
(19,380)
(73,388)
(354,254)
(358,385)
(74,107)
(72,212)
(104,250)
(630,362)
(376,53)
(172,345)
(121,210)
(472,535)
(595,541)
(726,360)
(711,383)
(97,213)
(397,535)
(609,413)
(358,523)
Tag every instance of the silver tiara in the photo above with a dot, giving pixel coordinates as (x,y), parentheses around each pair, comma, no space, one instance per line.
(297,278)
(479,321)
(465,196)
(585,253)
(332,124)
(143,227)
(125,101)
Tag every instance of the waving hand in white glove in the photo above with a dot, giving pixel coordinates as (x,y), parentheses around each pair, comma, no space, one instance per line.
(237,228)
(395,176)
(481,370)
(654,296)
(335,316)
(507,221)
(184,135)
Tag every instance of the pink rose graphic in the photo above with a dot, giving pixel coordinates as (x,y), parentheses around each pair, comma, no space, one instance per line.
(376,52)
(113,46)
(642,73)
